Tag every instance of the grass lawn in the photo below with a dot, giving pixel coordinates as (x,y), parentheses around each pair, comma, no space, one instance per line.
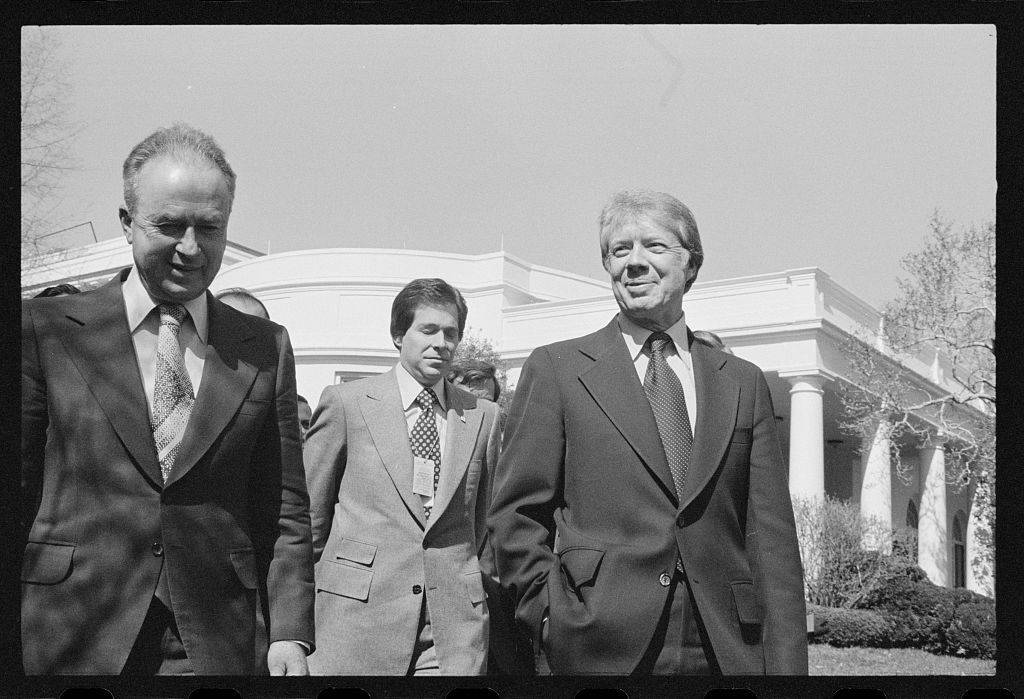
(827,660)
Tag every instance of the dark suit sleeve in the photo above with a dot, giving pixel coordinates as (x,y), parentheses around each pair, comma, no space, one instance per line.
(772,534)
(484,493)
(282,507)
(528,489)
(325,456)
(34,421)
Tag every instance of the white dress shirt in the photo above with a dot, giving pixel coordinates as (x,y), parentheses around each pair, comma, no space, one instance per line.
(144,325)
(678,358)
(409,388)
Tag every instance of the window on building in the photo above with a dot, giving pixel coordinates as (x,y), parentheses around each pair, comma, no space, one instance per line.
(911,531)
(911,515)
(959,552)
(346,376)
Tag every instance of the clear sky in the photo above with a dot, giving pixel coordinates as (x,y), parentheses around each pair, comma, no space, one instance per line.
(794,146)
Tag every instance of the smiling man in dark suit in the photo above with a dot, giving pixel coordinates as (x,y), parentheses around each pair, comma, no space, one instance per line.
(653,462)
(160,452)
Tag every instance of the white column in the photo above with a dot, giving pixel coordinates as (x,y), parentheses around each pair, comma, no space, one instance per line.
(806,437)
(876,486)
(933,544)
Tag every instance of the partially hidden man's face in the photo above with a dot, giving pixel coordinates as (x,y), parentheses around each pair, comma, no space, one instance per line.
(649,269)
(481,388)
(179,228)
(305,416)
(428,346)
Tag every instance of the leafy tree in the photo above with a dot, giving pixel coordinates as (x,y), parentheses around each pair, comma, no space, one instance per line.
(839,570)
(475,345)
(946,303)
(46,135)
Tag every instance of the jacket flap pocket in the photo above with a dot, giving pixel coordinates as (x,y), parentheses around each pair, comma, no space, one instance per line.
(345,580)
(244,562)
(742,435)
(475,586)
(581,564)
(357,551)
(46,563)
(747,608)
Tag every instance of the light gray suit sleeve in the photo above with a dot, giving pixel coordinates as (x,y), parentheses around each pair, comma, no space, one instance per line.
(324,456)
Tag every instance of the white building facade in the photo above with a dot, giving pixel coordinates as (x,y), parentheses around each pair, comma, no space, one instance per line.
(336,305)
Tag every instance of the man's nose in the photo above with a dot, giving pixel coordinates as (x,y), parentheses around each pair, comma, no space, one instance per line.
(636,261)
(187,244)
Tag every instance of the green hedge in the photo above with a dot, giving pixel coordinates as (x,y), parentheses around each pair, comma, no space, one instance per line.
(851,627)
(972,633)
(905,610)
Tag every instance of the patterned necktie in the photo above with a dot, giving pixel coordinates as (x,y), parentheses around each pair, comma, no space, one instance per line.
(669,405)
(424,439)
(172,391)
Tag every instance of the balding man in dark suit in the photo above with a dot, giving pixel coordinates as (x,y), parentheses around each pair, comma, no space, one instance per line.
(160,451)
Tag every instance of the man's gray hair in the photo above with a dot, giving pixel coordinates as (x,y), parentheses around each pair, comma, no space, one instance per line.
(663,209)
(185,144)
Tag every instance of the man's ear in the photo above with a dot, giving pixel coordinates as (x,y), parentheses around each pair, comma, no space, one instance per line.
(397,341)
(126,223)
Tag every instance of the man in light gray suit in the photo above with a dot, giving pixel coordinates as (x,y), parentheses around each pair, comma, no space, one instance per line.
(399,471)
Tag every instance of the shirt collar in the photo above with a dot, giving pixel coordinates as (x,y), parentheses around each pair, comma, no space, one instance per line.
(409,388)
(138,303)
(635,336)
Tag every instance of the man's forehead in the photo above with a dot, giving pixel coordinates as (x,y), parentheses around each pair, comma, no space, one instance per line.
(432,310)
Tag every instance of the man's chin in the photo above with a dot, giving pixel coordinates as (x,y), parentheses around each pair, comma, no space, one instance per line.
(175,293)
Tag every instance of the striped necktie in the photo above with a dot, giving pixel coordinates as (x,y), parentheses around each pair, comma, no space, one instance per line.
(172,390)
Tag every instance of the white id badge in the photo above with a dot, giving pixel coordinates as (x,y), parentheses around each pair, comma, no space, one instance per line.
(423,476)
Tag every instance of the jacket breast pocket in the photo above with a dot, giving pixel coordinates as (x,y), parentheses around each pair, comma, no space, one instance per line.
(252,406)
(741,435)
(47,563)
(748,611)
(473,476)
(338,578)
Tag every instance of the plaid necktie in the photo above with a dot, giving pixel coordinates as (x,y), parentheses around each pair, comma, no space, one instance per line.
(424,439)
(669,405)
(172,391)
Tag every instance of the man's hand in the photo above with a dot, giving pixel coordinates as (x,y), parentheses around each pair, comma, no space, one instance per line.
(286,658)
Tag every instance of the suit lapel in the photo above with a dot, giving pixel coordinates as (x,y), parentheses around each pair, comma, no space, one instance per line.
(227,378)
(612,381)
(717,403)
(384,416)
(99,342)
(462,425)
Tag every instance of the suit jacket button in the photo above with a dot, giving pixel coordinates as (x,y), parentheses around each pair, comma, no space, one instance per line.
(416,589)
(158,549)
(665,579)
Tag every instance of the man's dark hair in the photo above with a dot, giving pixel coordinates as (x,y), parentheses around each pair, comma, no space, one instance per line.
(425,292)
(59,290)
(471,372)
